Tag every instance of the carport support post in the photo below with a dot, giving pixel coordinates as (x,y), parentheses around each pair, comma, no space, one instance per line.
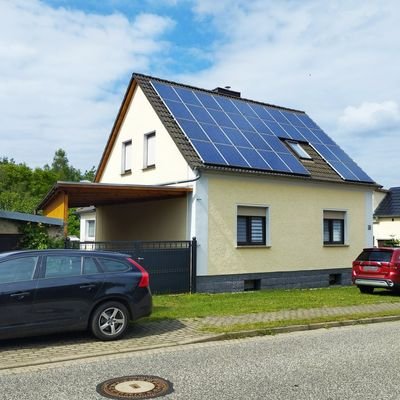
(194,265)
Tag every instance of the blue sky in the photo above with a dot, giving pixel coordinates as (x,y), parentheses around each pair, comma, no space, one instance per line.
(65,64)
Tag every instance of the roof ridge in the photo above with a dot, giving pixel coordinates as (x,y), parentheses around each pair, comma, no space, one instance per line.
(210,91)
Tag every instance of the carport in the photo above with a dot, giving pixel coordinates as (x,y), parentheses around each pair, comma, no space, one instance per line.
(148,222)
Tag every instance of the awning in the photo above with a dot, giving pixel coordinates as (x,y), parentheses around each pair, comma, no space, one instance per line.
(64,195)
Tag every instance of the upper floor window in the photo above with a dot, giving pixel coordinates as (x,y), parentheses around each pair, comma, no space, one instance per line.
(299,150)
(149,150)
(126,165)
(334,227)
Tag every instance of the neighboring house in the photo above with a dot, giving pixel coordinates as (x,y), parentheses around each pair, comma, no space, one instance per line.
(387,218)
(271,199)
(11,222)
(87,217)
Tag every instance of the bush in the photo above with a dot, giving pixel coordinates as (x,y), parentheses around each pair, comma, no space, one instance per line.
(36,236)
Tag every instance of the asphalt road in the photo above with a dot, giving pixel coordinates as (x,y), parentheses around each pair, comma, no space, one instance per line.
(357,362)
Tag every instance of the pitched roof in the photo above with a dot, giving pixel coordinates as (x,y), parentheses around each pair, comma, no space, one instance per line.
(17,216)
(390,205)
(324,164)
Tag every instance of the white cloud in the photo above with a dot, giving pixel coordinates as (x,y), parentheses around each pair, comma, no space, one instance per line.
(370,117)
(315,56)
(63,73)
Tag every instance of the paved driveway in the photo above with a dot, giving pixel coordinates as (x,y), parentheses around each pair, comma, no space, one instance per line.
(62,347)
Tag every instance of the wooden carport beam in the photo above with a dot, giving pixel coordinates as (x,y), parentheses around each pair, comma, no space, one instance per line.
(57,207)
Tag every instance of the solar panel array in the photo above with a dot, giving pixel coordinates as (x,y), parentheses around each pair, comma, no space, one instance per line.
(239,133)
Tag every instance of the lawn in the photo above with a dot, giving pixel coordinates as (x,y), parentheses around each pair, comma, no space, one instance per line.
(200,305)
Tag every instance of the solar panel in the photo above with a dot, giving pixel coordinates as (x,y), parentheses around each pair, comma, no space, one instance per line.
(240,133)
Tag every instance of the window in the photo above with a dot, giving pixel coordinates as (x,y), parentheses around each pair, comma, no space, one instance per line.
(90,229)
(149,150)
(17,270)
(251,226)
(126,166)
(299,150)
(113,266)
(62,266)
(89,266)
(334,227)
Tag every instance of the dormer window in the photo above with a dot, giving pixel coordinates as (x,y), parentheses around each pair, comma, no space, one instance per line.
(299,150)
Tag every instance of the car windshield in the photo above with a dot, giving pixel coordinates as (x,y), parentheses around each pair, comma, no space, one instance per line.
(375,255)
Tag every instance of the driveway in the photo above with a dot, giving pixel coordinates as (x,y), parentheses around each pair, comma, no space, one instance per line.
(75,345)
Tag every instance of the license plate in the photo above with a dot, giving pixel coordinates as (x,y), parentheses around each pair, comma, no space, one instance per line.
(371,269)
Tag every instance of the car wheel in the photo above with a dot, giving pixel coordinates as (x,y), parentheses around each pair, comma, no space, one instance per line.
(366,289)
(109,321)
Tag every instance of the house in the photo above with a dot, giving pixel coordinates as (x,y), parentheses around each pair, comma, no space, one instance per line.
(11,223)
(387,219)
(87,216)
(271,199)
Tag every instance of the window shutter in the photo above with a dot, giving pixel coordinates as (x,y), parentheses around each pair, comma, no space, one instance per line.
(241,230)
(257,231)
(151,149)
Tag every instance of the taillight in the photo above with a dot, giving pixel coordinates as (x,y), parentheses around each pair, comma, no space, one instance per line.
(395,265)
(144,279)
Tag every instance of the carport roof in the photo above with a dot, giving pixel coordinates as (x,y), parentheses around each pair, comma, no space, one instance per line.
(82,194)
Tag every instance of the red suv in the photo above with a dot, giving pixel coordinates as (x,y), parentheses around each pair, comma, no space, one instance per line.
(378,267)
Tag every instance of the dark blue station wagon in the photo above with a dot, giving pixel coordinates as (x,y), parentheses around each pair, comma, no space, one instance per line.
(45,291)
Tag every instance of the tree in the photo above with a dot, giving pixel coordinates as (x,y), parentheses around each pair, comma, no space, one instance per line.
(22,188)
(62,169)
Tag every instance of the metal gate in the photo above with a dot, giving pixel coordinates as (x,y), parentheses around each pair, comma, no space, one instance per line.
(171,264)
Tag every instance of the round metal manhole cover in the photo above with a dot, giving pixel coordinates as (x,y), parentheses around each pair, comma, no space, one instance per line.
(135,387)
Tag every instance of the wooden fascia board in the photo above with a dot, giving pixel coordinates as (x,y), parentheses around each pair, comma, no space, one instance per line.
(115,129)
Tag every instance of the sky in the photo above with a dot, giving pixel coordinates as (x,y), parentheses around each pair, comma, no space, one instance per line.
(65,66)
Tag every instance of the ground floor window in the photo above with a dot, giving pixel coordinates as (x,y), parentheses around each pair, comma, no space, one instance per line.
(251,226)
(334,227)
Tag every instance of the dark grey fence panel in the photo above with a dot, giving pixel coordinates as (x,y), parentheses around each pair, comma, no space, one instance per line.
(9,242)
(169,263)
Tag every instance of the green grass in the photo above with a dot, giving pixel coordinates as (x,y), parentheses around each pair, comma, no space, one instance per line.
(201,305)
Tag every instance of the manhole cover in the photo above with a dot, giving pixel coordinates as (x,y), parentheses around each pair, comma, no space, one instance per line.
(135,387)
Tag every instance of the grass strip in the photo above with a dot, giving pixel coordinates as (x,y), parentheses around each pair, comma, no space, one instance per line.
(200,305)
(284,323)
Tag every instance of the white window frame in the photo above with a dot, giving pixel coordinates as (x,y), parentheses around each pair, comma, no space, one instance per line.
(149,153)
(253,210)
(126,157)
(299,150)
(87,229)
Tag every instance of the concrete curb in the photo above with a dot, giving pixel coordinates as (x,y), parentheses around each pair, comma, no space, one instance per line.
(299,328)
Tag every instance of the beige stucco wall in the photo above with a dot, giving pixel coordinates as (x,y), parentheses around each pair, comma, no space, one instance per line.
(155,220)
(141,119)
(295,224)
(386,229)
(8,227)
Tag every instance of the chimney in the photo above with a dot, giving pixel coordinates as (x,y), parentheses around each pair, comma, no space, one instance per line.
(226,90)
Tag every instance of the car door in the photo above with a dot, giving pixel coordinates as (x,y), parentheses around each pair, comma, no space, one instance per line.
(17,290)
(66,289)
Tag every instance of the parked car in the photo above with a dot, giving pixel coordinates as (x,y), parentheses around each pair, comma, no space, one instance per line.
(45,291)
(377,267)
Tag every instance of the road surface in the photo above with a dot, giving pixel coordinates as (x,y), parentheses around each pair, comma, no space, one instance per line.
(357,362)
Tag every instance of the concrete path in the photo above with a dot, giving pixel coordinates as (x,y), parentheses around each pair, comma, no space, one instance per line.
(30,352)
